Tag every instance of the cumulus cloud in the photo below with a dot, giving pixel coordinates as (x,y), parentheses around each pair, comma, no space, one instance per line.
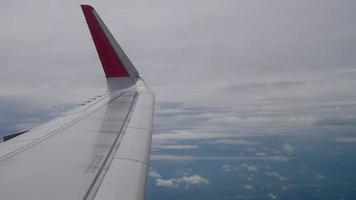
(244,167)
(193,180)
(272,196)
(226,168)
(187,181)
(166,183)
(276,175)
(154,174)
(319,176)
(288,149)
(252,169)
(248,187)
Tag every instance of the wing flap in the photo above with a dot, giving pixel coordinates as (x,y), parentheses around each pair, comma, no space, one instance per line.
(125,180)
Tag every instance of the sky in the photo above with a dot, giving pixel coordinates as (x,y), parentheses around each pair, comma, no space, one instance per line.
(254,99)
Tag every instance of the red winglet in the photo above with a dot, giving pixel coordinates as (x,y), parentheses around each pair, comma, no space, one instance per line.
(112,65)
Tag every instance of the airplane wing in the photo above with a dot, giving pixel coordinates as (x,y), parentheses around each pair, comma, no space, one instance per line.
(97,151)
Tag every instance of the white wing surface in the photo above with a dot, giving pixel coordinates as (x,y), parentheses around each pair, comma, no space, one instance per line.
(97,151)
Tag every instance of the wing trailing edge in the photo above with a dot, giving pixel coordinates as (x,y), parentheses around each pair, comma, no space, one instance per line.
(119,70)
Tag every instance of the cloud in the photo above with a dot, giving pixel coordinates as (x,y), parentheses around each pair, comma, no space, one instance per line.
(337,121)
(186,181)
(262,87)
(261,154)
(294,66)
(272,196)
(166,183)
(154,174)
(248,187)
(188,135)
(252,169)
(276,175)
(235,142)
(193,180)
(22,114)
(226,168)
(173,146)
(244,167)
(319,176)
(233,138)
(288,149)
(346,139)
(177,158)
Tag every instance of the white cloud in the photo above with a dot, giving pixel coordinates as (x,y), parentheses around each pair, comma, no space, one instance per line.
(244,167)
(248,187)
(226,168)
(272,196)
(166,183)
(261,154)
(176,147)
(276,175)
(193,180)
(187,181)
(252,169)
(154,174)
(288,149)
(319,176)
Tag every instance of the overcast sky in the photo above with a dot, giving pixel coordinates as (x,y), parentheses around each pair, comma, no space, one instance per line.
(217,67)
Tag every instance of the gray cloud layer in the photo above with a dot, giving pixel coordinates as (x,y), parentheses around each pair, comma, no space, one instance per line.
(222,66)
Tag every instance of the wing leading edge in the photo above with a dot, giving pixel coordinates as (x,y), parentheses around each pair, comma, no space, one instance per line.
(97,151)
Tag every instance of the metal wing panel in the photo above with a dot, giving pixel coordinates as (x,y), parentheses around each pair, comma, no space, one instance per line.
(126,176)
(63,164)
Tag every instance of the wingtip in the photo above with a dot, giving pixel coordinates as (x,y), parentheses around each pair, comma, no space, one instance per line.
(87,7)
